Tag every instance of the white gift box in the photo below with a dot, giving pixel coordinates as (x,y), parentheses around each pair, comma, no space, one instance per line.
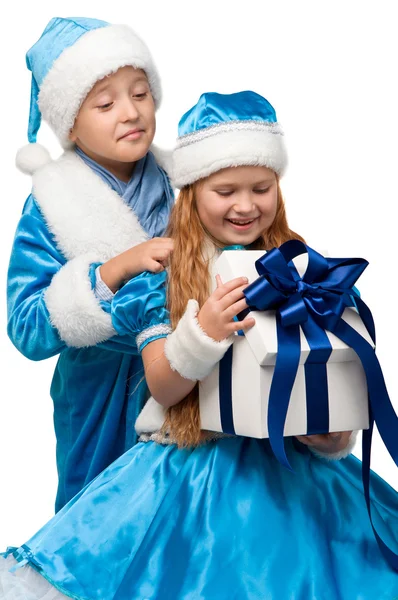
(253,363)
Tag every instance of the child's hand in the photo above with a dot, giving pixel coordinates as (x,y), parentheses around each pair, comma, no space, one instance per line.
(149,256)
(217,314)
(328,443)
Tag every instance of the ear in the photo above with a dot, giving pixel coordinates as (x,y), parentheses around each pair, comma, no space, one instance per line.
(72,137)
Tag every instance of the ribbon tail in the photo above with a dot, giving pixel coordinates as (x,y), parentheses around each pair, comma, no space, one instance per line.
(367,317)
(390,556)
(381,411)
(287,362)
(384,414)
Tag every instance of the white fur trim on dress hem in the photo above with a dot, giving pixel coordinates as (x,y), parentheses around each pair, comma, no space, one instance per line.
(337,455)
(228,148)
(74,309)
(151,418)
(189,350)
(25,583)
(94,55)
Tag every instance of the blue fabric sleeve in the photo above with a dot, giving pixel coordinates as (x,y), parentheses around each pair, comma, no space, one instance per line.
(140,306)
(35,259)
(33,263)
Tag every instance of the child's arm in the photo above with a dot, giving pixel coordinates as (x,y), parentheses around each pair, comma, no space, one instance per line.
(173,366)
(51,301)
(150,256)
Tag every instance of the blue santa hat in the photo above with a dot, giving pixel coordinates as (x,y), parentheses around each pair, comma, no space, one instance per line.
(69,58)
(227,130)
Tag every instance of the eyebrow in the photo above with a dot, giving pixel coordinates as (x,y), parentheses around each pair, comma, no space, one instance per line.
(265,181)
(101,88)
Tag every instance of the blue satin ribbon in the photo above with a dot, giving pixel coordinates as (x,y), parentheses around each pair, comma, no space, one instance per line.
(316,302)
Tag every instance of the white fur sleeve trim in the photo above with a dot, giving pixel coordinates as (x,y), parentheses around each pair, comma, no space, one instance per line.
(74,309)
(189,350)
(338,455)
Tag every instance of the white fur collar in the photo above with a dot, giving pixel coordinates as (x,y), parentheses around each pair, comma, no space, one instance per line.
(82,212)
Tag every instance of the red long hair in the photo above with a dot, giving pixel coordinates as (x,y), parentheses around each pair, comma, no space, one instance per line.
(189,277)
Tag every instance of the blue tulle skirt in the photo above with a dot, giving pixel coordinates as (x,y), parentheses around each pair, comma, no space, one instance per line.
(220,522)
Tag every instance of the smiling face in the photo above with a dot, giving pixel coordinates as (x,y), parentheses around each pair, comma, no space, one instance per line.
(116,122)
(237,205)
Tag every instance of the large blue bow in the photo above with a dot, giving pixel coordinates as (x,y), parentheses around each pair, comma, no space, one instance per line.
(316,302)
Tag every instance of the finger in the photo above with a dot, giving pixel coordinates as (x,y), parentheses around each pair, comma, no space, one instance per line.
(161,239)
(165,261)
(166,242)
(335,435)
(227,287)
(309,440)
(244,325)
(161,254)
(234,310)
(161,242)
(218,281)
(154,267)
(231,298)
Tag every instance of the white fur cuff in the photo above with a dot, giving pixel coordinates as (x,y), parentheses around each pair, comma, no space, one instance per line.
(338,455)
(189,350)
(74,309)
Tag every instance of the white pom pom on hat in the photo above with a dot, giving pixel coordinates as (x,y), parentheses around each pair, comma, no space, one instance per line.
(32,157)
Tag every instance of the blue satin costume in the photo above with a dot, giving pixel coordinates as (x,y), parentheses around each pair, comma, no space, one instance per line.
(98,389)
(223,521)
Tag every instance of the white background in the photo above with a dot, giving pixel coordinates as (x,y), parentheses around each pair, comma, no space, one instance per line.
(329,68)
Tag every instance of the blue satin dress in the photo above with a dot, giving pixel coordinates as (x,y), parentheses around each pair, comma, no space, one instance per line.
(223,521)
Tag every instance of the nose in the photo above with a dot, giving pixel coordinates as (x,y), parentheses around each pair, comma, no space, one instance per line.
(244,203)
(129,110)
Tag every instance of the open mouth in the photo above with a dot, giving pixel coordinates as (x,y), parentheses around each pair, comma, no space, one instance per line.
(242,224)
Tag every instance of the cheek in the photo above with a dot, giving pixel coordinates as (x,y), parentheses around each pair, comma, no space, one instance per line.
(216,214)
(148,113)
(102,131)
(93,128)
(269,207)
(208,214)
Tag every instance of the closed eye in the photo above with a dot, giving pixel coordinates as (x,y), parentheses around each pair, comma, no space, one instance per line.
(262,191)
(105,106)
(224,193)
